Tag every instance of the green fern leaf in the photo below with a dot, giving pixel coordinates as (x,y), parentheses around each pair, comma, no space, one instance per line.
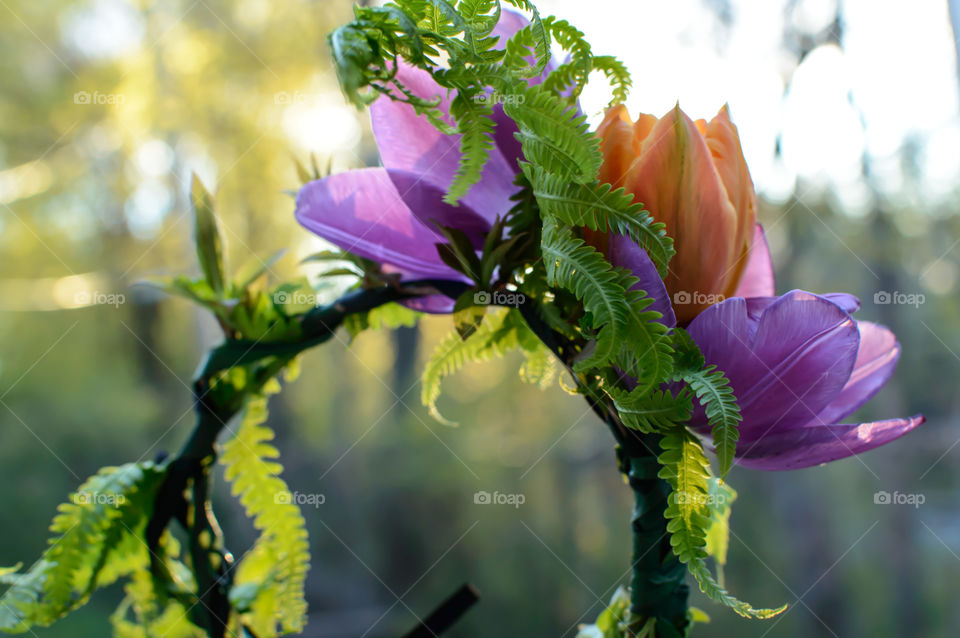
(574,266)
(618,75)
(555,136)
(713,590)
(280,556)
(654,411)
(493,337)
(687,470)
(475,124)
(87,549)
(600,208)
(715,394)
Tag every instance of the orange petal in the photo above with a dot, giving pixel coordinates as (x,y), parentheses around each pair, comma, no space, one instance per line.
(641,129)
(724,142)
(676,179)
(616,145)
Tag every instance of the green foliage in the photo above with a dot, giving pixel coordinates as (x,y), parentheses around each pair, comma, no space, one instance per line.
(554,135)
(713,590)
(611,623)
(600,208)
(96,540)
(573,265)
(721,498)
(687,470)
(498,333)
(475,125)
(208,238)
(391,316)
(715,394)
(276,565)
(653,411)
(366,53)
(690,516)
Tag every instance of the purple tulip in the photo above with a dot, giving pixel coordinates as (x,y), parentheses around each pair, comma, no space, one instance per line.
(389,214)
(799,365)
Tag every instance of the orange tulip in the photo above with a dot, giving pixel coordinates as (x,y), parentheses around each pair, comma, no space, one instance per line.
(692,177)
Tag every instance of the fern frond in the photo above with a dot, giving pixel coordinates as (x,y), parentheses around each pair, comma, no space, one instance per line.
(654,411)
(555,136)
(475,124)
(493,337)
(713,390)
(280,557)
(579,268)
(539,367)
(600,208)
(618,75)
(87,543)
(531,40)
(713,590)
(687,470)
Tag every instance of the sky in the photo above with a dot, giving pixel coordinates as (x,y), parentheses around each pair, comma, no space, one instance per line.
(893,82)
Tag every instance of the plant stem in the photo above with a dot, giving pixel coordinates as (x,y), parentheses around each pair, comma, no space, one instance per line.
(185,493)
(658,586)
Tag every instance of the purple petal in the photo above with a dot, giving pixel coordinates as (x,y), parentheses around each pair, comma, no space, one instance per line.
(848,302)
(786,359)
(876,361)
(409,142)
(432,304)
(625,253)
(504,135)
(426,203)
(758,280)
(361,212)
(805,447)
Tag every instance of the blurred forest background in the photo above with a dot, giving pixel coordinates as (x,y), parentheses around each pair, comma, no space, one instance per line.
(850,121)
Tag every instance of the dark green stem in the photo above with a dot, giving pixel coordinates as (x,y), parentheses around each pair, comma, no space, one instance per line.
(658,588)
(185,493)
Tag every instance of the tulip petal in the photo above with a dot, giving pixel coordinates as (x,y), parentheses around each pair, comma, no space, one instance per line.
(630,256)
(616,145)
(361,212)
(409,142)
(758,279)
(806,447)
(848,302)
(786,359)
(876,361)
(426,203)
(724,143)
(675,177)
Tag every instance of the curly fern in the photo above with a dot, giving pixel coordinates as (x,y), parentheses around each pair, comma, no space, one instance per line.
(278,561)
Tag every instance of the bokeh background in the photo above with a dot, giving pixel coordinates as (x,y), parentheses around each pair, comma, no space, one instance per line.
(849,117)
